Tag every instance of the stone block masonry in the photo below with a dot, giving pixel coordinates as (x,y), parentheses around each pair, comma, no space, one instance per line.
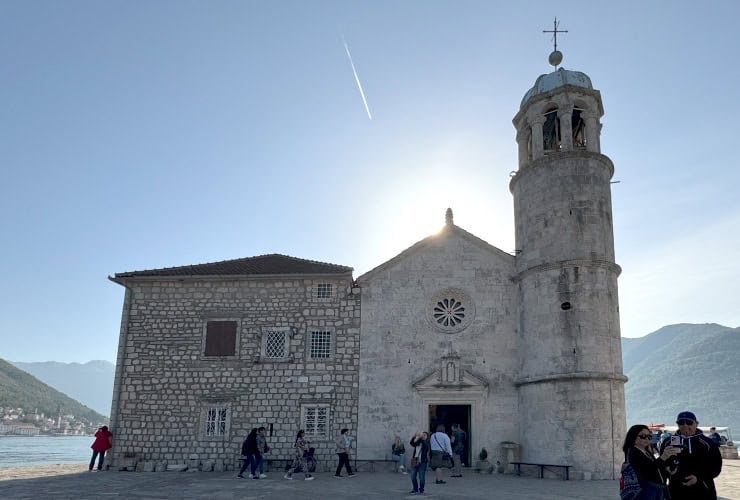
(169,392)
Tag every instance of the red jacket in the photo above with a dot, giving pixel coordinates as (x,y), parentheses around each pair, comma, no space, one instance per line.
(102,441)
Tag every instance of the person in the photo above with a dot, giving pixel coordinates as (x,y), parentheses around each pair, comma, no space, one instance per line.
(698,462)
(459,438)
(398,454)
(663,437)
(263,448)
(439,443)
(251,454)
(714,436)
(300,446)
(654,441)
(650,471)
(419,461)
(100,446)
(344,445)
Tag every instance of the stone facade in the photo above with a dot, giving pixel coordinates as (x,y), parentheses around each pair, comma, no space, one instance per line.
(403,343)
(523,351)
(165,385)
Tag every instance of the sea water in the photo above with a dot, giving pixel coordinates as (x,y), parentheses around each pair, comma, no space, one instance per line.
(19,451)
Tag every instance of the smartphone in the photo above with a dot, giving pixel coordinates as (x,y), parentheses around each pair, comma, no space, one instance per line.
(676,441)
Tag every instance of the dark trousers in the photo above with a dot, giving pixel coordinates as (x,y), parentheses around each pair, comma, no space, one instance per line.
(253,460)
(699,491)
(343,461)
(419,470)
(100,460)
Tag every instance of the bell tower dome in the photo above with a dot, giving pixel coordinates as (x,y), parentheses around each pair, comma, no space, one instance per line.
(571,385)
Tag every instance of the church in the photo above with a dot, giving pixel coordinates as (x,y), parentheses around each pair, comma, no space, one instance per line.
(522,351)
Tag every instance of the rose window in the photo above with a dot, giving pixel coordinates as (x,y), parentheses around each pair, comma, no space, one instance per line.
(449,312)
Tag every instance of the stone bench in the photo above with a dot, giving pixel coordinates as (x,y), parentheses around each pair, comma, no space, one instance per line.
(369,465)
(542,467)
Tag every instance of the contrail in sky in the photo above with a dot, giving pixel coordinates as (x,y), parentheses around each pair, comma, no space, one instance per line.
(357,79)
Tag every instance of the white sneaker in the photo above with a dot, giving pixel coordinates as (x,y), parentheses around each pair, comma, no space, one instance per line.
(309,478)
(263,476)
(251,476)
(288,477)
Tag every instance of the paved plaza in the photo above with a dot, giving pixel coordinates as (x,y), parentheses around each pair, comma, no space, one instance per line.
(75,482)
(365,485)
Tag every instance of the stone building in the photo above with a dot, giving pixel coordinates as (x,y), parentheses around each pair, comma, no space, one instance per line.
(521,348)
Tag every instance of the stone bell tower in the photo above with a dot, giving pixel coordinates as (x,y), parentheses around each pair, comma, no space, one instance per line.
(571,385)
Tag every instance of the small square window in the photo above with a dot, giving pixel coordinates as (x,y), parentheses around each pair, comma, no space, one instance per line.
(320,345)
(220,338)
(316,420)
(324,290)
(216,418)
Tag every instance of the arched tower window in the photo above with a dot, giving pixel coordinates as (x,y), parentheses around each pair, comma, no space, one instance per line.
(551,132)
(579,129)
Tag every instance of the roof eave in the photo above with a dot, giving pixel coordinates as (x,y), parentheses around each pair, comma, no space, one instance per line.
(125,280)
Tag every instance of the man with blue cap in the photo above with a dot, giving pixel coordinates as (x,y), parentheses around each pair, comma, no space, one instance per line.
(693,470)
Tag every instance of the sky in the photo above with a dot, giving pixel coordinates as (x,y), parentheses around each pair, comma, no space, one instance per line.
(141,135)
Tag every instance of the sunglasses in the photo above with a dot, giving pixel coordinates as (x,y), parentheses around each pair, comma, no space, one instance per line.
(644,436)
(685,422)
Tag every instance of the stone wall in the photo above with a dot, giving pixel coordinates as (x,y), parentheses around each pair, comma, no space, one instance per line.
(574,421)
(571,385)
(165,383)
(402,370)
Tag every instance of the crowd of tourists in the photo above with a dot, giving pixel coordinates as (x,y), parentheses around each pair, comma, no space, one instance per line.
(437,451)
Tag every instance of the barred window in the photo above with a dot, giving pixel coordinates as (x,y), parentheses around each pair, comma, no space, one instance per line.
(324,290)
(216,421)
(275,344)
(316,420)
(320,345)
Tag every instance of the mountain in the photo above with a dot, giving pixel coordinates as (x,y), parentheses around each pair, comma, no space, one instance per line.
(90,383)
(19,389)
(684,367)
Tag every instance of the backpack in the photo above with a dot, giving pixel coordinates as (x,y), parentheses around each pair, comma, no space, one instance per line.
(629,485)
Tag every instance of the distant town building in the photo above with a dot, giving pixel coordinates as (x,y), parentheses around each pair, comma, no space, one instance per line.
(19,429)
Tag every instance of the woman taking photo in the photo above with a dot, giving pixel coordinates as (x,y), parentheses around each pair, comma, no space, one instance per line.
(650,470)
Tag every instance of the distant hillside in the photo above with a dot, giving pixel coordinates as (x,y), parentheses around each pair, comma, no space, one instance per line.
(90,383)
(684,367)
(19,389)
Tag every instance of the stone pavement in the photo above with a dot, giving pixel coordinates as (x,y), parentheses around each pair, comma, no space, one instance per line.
(74,482)
(365,485)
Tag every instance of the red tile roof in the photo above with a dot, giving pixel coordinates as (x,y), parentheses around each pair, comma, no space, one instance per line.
(276,264)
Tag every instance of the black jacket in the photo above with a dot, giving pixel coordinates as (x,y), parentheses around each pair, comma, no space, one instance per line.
(249,446)
(424,449)
(647,468)
(699,457)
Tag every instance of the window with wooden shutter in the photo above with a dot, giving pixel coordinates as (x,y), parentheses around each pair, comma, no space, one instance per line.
(220,338)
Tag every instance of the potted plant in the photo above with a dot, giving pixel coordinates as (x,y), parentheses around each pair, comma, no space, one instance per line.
(483,465)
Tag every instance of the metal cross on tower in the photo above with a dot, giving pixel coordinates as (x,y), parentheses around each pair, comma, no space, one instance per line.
(555,32)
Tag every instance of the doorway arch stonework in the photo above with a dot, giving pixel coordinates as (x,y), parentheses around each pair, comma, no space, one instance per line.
(437,388)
